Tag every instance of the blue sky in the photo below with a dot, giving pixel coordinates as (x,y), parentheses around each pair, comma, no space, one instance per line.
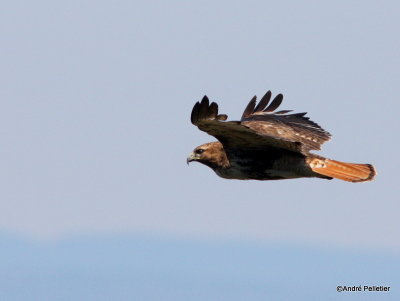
(94,120)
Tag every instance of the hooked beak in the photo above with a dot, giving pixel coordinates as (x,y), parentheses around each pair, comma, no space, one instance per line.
(190,158)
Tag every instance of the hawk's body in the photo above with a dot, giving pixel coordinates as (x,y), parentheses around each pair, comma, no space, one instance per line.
(268,146)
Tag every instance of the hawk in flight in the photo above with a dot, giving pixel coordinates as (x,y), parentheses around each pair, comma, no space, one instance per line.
(268,145)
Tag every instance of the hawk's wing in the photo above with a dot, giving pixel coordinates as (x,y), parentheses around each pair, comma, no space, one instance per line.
(260,127)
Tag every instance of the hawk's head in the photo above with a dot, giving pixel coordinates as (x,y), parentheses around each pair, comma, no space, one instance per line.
(211,154)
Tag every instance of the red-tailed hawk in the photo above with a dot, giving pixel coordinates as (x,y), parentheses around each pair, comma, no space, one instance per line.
(268,145)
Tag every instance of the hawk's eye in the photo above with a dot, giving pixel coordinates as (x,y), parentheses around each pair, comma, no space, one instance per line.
(199,151)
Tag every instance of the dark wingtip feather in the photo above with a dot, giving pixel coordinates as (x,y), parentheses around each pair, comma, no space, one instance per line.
(213,111)
(283,112)
(203,110)
(250,108)
(275,103)
(300,115)
(205,100)
(263,102)
(195,113)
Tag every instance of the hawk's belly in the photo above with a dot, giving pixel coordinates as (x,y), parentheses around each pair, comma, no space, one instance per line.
(265,175)
(277,171)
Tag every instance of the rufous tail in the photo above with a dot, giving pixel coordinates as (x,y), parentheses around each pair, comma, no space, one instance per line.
(351,172)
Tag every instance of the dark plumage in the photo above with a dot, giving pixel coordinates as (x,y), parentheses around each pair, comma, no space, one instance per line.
(267,145)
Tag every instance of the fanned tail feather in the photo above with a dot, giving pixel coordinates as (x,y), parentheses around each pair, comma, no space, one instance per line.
(351,172)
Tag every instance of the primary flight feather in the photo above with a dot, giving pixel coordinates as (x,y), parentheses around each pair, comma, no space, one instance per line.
(268,145)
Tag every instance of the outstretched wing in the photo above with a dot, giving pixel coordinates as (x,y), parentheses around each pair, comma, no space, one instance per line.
(260,127)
